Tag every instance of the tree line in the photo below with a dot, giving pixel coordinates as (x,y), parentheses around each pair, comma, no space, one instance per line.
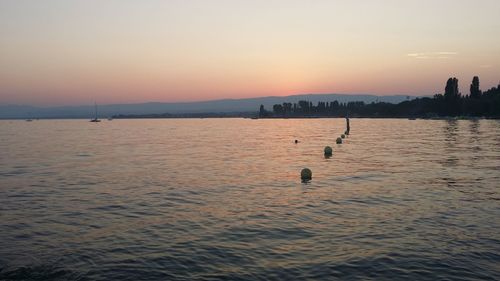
(452,103)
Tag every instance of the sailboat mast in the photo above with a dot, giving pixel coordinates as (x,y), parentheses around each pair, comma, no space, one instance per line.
(95,117)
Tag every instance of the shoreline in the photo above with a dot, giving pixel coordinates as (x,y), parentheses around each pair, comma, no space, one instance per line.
(256,118)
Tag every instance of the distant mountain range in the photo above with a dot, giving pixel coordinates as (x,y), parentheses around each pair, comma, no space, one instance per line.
(213,106)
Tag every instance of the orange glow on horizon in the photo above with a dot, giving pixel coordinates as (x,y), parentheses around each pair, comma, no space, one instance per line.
(176,51)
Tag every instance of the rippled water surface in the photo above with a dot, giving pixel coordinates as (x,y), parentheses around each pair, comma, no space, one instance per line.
(210,199)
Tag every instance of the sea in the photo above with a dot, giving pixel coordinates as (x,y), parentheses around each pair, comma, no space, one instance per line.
(222,199)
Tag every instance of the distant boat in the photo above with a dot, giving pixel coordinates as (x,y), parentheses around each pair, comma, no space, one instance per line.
(254,118)
(110,118)
(95,119)
(29,119)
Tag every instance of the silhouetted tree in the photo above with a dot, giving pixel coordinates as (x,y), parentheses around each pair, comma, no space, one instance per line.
(287,108)
(304,106)
(451,89)
(452,97)
(451,103)
(262,111)
(475,92)
(278,108)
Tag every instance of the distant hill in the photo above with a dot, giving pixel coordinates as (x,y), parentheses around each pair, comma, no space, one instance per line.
(213,106)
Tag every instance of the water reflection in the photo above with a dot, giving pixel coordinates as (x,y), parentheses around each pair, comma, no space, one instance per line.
(474,125)
(451,131)
(475,137)
(400,200)
(451,140)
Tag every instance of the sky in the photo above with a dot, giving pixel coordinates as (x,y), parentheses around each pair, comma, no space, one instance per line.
(60,52)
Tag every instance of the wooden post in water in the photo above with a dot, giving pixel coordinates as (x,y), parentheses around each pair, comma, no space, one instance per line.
(348,128)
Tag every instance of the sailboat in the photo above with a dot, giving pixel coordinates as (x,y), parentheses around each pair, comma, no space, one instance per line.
(29,119)
(95,119)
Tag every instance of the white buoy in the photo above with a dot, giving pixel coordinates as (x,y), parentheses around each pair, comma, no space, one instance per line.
(306,174)
(328,151)
(339,140)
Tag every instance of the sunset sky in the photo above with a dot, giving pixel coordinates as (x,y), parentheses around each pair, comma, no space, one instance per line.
(123,51)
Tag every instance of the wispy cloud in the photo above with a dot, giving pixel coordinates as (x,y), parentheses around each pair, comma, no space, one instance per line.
(433,55)
(448,53)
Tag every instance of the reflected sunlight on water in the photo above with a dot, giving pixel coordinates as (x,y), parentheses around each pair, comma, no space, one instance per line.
(222,199)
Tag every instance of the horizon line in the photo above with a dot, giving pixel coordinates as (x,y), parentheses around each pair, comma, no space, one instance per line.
(214,100)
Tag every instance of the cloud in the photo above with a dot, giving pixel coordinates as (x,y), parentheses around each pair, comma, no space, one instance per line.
(432,55)
(447,53)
